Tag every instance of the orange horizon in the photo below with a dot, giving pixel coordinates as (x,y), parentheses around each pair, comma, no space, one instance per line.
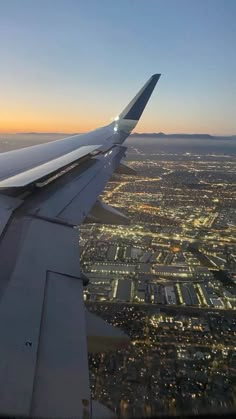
(67,122)
(72,127)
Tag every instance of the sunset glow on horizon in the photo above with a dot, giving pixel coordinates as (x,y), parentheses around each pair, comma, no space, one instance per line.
(71,66)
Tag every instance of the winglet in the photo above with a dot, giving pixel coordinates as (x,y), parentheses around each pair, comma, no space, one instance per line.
(136,107)
(128,119)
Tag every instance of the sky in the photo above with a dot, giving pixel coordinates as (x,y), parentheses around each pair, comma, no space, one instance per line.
(73,65)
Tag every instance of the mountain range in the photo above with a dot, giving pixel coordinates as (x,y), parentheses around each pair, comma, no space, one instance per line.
(184,135)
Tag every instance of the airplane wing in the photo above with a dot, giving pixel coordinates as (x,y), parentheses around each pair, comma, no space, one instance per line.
(45,191)
(23,167)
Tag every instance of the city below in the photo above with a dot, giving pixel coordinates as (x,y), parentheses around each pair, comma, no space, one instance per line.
(168,280)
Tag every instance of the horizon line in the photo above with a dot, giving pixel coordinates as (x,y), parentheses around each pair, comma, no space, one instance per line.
(133,133)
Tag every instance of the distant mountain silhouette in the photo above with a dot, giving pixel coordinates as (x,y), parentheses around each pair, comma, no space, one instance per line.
(183,135)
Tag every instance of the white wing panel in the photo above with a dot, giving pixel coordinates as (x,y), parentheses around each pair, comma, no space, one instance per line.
(15,162)
(26,177)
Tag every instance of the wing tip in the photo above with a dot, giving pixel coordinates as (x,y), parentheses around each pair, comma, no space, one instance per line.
(156,76)
(136,107)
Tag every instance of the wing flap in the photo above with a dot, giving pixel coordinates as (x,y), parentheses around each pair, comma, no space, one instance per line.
(36,173)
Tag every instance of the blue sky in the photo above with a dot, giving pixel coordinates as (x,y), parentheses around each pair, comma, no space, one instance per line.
(72,65)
